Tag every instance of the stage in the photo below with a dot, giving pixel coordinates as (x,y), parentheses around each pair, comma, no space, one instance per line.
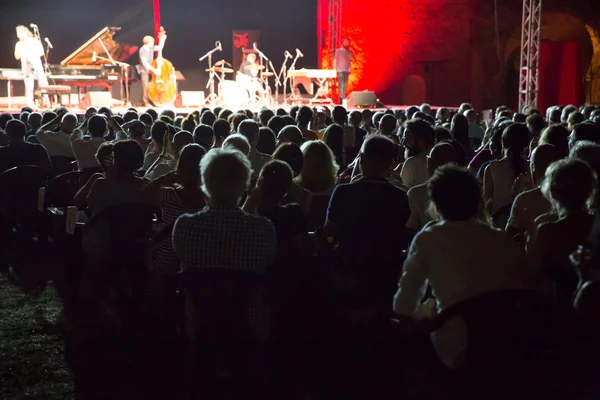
(119,108)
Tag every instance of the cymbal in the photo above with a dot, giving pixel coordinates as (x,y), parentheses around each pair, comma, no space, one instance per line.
(220,70)
(222,63)
(268,74)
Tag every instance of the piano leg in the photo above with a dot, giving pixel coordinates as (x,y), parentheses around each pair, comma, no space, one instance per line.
(322,94)
(9,92)
(80,94)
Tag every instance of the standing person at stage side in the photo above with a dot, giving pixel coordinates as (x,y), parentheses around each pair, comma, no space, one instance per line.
(146,54)
(29,51)
(342,63)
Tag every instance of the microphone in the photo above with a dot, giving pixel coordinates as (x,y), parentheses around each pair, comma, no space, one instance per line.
(287,54)
(94,57)
(260,53)
(48,41)
(33,25)
(218,46)
(299,53)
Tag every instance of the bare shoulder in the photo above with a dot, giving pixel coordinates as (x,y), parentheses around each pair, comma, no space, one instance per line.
(546,230)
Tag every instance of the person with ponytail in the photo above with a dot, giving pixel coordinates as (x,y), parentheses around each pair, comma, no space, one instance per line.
(501,174)
(176,193)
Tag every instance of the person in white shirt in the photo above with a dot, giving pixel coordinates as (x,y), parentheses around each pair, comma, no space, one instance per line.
(58,144)
(418,139)
(250,129)
(29,51)
(531,204)
(459,257)
(418,196)
(86,147)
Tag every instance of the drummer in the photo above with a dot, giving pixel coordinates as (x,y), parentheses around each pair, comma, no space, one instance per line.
(250,69)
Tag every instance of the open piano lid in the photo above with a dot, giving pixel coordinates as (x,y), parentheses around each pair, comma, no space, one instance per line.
(83,55)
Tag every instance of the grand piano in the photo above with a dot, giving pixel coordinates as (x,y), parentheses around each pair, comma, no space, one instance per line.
(98,62)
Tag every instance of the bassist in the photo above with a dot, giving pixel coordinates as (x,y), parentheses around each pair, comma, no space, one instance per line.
(146,54)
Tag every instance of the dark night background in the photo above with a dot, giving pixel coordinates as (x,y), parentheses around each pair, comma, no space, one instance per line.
(192,28)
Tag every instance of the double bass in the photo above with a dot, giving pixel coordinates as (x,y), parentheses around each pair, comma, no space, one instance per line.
(162,88)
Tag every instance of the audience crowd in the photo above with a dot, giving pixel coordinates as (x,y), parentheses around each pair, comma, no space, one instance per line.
(411,211)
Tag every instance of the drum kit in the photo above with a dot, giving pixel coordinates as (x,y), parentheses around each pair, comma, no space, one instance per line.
(241,90)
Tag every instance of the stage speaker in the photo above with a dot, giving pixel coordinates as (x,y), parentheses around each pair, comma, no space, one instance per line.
(96,99)
(362,99)
(189,99)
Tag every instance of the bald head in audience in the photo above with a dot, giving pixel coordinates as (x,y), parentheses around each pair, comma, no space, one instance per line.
(378,155)
(441,154)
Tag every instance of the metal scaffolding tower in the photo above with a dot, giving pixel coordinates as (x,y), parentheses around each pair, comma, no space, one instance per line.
(530,53)
(334,29)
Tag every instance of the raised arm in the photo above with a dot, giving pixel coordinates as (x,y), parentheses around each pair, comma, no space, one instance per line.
(488,188)
(81,196)
(149,192)
(413,282)
(18,51)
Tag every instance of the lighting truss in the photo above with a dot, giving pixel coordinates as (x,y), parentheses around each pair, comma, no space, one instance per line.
(334,31)
(530,54)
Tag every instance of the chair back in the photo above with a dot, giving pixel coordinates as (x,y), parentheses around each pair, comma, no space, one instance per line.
(19,188)
(62,189)
(129,224)
(127,228)
(61,164)
(500,217)
(228,305)
(318,211)
(502,327)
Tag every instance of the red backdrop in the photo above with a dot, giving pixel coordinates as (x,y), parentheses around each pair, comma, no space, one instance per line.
(394,39)
(243,41)
(560,73)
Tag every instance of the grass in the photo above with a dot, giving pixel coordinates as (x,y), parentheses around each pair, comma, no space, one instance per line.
(32,354)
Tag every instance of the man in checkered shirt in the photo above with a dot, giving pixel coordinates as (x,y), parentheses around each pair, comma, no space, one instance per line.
(222,235)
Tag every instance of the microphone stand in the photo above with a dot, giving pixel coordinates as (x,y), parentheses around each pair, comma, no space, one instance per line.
(277,82)
(125,66)
(124,79)
(282,77)
(264,61)
(211,78)
(292,68)
(36,34)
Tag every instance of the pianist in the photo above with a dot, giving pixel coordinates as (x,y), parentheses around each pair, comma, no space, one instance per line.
(30,50)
